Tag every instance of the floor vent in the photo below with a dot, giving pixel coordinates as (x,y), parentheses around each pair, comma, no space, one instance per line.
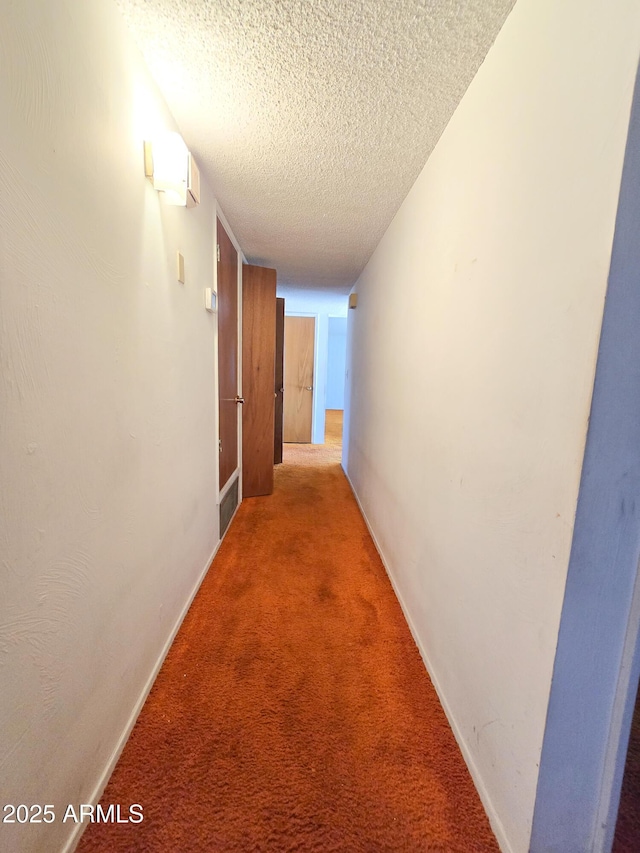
(228,506)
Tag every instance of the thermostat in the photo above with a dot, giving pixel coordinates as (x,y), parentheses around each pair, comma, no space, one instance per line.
(210,299)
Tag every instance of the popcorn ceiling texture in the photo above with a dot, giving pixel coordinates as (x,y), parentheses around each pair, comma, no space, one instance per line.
(311,120)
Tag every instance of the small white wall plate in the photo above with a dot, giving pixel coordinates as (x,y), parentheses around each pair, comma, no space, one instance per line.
(210,299)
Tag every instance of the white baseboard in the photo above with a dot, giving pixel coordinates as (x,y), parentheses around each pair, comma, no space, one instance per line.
(494,820)
(79,828)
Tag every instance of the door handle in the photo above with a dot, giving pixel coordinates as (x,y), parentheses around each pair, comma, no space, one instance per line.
(308,387)
(238,399)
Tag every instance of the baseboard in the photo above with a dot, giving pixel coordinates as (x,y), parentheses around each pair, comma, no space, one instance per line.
(79,828)
(494,820)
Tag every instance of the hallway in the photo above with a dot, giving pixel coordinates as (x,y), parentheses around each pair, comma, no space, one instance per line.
(465,176)
(293,711)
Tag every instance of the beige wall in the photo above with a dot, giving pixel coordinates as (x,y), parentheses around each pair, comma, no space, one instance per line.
(471,365)
(108,474)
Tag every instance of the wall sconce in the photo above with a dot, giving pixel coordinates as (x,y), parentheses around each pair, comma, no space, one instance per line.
(172,169)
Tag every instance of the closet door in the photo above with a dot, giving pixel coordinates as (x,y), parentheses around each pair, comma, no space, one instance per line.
(258,379)
(299,343)
(227,357)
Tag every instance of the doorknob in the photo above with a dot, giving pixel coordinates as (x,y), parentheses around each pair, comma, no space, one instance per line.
(308,387)
(238,399)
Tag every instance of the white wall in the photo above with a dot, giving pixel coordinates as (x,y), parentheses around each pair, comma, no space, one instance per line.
(471,364)
(321,305)
(108,512)
(336,362)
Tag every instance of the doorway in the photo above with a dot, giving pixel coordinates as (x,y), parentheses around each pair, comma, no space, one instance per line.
(333,427)
(627,834)
(299,346)
(228,397)
(597,664)
(336,378)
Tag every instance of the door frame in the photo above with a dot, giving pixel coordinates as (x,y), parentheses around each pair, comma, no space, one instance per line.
(318,380)
(627,693)
(237,474)
(597,664)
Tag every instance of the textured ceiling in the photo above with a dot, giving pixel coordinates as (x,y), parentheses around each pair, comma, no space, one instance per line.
(312,118)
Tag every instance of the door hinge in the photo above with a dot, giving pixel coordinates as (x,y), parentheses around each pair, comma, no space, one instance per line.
(218,251)
(220,445)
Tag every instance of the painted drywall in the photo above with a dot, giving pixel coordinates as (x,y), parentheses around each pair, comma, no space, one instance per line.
(108,467)
(336,362)
(471,359)
(322,305)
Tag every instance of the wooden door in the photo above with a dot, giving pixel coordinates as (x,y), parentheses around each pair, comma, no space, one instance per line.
(258,376)
(279,383)
(227,357)
(299,340)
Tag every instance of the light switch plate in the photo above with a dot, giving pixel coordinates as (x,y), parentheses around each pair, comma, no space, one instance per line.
(180,268)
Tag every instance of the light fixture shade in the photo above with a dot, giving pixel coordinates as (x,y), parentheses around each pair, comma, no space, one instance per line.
(193,185)
(171,167)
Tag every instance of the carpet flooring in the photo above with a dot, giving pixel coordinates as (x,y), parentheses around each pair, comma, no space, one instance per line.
(293,711)
(627,837)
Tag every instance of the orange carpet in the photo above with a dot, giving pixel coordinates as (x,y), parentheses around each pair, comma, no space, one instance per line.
(333,429)
(293,712)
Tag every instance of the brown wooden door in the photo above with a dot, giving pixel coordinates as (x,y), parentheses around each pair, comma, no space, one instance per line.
(258,375)
(227,356)
(299,339)
(279,383)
